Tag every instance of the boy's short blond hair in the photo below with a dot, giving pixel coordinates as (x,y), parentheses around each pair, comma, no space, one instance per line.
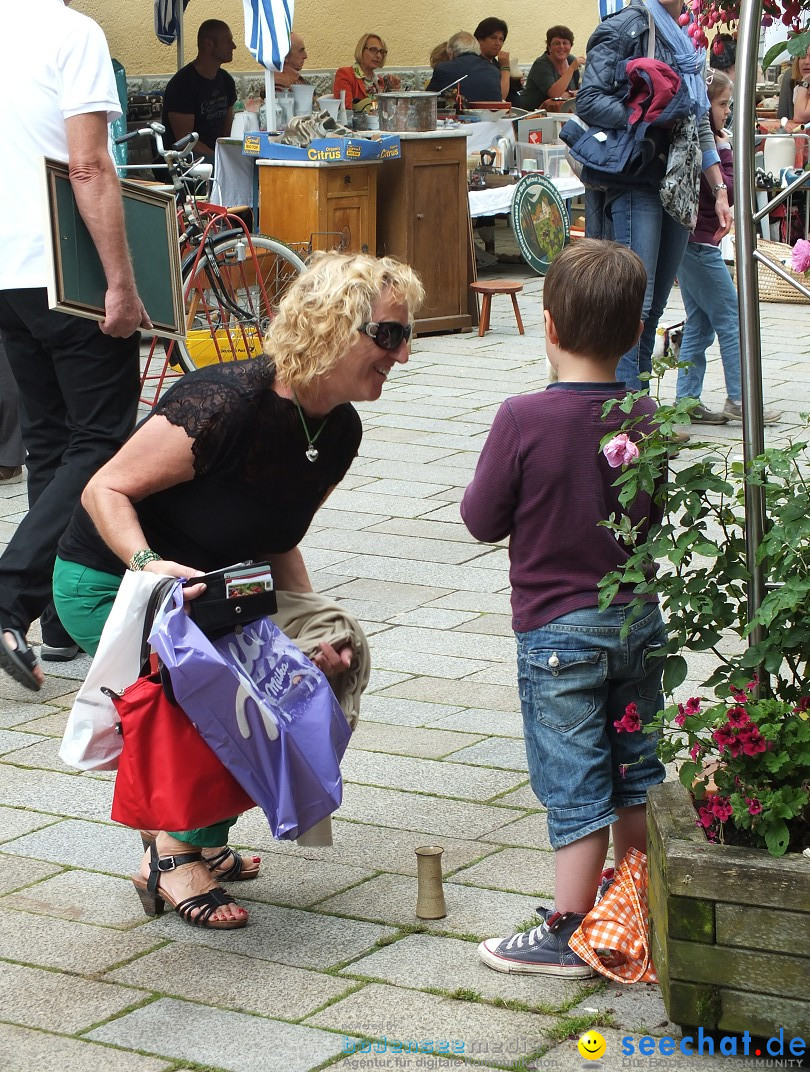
(594,291)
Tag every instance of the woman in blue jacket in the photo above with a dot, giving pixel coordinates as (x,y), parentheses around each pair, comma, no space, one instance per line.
(628,208)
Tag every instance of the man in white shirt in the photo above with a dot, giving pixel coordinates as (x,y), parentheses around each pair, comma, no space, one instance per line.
(78,380)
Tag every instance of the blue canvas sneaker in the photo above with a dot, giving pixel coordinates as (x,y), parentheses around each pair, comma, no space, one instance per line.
(543,950)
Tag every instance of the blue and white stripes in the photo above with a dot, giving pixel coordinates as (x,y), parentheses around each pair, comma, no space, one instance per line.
(168,19)
(609,7)
(267,30)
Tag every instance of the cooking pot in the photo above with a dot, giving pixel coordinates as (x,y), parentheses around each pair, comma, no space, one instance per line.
(408,111)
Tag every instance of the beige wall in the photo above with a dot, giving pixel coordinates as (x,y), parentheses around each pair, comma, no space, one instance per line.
(331,28)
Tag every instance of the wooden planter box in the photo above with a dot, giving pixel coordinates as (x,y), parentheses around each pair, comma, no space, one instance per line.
(730,926)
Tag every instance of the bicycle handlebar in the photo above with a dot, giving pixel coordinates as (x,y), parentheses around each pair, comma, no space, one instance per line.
(179,159)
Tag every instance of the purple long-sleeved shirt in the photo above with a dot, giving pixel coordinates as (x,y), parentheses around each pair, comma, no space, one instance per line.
(542,481)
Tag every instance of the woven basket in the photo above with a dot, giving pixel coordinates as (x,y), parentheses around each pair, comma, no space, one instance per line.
(772,288)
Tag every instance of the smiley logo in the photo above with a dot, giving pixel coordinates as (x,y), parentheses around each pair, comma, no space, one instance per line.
(592,1046)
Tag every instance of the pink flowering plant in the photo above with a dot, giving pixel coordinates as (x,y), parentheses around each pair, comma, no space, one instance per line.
(746,761)
(745,753)
(800,257)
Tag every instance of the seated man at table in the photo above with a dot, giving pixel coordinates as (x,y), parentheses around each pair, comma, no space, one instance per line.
(295,59)
(481,80)
(201,95)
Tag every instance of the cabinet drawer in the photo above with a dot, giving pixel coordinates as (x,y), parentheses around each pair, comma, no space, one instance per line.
(435,149)
(348,180)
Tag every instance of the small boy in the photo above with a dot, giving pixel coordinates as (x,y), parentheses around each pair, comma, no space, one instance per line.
(543,481)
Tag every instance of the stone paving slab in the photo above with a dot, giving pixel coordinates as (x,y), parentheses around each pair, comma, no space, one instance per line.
(431,1017)
(228,1040)
(77,947)
(300,882)
(220,978)
(14,713)
(412,811)
(452,642)
(524,871)
(17,872)
(62,794)
(25,1050)
(475,720)
(365,542)
(506,752)
(408,740)
(521,798)
(372,847)
(470,909)
(31,750)
(14,822)
(530,831)
(427,962)
(14,744)
(464,693)
(429,618)
(462,781)
(282,935)
(49,725)
(402,712)
(82,896)
(399,596)
(102,846)
(638,1009)
(32,997)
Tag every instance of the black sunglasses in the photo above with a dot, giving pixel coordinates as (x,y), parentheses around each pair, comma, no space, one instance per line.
(388,334)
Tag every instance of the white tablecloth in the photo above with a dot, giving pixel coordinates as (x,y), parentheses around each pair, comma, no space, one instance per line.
(492,202)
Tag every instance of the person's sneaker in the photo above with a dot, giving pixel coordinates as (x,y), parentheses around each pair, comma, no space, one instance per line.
(543,950)
(701,415)
(10,474)
(50,653)
(733,412)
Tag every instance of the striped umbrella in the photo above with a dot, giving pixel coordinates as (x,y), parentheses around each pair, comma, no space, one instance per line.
(168,19)
(267,35)
(609,7)
(267,31)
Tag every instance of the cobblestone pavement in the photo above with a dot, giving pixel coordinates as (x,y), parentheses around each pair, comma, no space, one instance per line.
(334,955)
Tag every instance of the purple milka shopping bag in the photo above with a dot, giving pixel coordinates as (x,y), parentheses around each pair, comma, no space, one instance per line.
(265,709)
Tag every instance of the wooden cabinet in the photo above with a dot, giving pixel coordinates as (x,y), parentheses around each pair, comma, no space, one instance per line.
(422,218)
(322,202)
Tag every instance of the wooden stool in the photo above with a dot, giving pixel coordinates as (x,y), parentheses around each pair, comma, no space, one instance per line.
(486,288)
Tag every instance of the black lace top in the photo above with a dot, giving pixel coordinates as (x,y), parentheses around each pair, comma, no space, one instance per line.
(254,492)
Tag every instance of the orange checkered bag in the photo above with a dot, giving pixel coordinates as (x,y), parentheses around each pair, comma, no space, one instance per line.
(614,937)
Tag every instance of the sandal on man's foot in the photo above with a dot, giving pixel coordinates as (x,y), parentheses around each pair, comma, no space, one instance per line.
(19,662)
(227,865)
(196,910)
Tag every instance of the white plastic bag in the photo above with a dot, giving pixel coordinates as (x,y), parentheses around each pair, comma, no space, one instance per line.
(91,740)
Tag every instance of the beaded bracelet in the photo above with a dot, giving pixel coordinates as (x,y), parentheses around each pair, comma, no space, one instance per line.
(143,558)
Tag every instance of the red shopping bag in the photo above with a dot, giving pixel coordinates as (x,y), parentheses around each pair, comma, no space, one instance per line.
(168,778)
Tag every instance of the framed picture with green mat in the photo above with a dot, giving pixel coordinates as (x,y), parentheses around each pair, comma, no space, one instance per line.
(540,221)
(77,282)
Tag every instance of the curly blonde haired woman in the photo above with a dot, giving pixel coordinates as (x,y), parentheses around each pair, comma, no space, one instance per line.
(232,464)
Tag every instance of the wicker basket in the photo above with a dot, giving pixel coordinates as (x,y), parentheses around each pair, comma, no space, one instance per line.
(772,288)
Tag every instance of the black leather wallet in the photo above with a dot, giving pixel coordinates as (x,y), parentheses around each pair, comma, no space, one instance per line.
(234,596)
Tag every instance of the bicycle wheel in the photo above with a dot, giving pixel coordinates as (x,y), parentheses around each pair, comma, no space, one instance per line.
(231,294)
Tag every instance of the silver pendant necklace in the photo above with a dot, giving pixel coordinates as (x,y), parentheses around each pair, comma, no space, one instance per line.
(311,451)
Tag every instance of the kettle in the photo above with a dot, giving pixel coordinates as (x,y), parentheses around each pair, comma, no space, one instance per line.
(506,151)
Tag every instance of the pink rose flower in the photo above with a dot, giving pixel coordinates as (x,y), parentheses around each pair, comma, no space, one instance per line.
(800,257)
(621,450)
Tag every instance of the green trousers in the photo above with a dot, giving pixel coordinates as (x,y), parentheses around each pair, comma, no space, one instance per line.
(84,599)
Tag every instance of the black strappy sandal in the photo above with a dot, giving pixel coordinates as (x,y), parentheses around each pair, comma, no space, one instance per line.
(197,910)
(237,872)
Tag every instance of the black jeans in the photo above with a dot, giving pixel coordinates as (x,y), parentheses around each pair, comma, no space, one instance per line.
(78,400)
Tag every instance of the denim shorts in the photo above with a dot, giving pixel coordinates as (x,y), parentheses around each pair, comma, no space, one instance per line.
(576,677)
